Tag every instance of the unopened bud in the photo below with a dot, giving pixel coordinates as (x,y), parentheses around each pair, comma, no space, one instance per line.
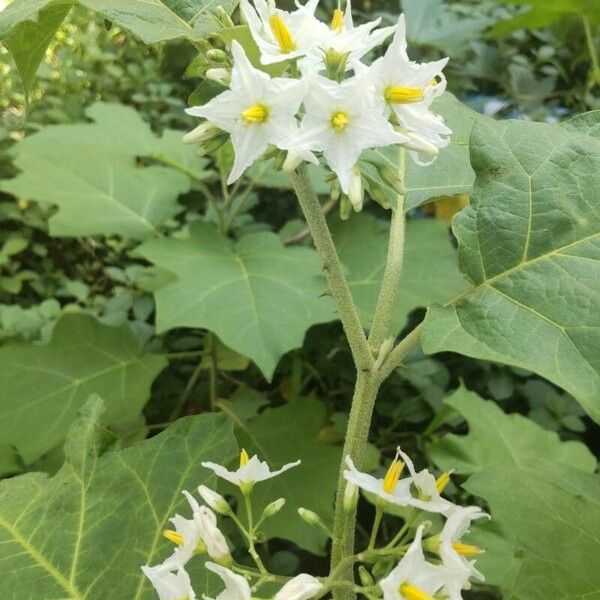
(214,500)
(432,544)
(391,178)
(383,352)
(421,145)
(350,496)
(345,208)
(217,55)
(273,508)
(356,193)
(223,17)
(311,517)
(365,577)
(292,161)
(220,75)
(204,132)
(335,63)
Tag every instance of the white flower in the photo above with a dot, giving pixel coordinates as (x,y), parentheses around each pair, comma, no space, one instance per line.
(257,111)
(236,586)
(214,540)
(214,500)
(301,587)
(390,488)
(413,578)
(281,35)
(407,89)
(170,586)
(187,538)
(344,40)
(250,471)
(429,497)
(454,554)
(342,120)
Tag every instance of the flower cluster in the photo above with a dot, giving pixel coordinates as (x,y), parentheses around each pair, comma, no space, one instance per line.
(414,577)
(327,101)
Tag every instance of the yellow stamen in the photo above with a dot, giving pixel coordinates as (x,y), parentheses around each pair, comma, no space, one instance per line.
(257,113)
(412,592)
(173,536)
(398,94)
(337,21)
(339,120)
(390,481)
(244,458)
(282,34)
(466,549)
(441,482)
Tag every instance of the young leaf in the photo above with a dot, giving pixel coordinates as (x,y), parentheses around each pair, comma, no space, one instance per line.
(430,272)
(90,527)
(256,295)
(540,490)
(43,386)
(530,243)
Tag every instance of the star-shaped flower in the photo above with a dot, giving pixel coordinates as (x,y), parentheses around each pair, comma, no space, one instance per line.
(236,586)
(168,585)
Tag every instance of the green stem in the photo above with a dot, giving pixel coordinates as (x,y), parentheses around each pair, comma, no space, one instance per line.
(213,382)
(396,356)
(334,271)
(591,45)
(251,534)
(375,530)
(393,269)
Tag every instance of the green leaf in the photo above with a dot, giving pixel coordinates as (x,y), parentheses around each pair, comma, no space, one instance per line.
(430,273)
(530,243)
(90,527)
(282,435)
(450,173)
(161,20)
(91,172)
(541,491)
(10,461)
(256,295)
(28,39)
(43,386)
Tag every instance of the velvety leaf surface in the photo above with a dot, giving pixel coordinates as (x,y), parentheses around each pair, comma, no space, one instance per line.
(283,435)
(43,386)
(84,533)
(90,171)
(430,273)
(542,491)
(530,244)
(256,295)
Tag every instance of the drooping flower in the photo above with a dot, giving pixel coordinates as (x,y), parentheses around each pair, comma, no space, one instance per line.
(257,111)
(281,35)
(344,42)
(428,495)
(214,540)
(301,587)
(168,585)
(455,554)
(407,90)
(342,120)
(236,586)
(413,578)
(391,488)
(250,470)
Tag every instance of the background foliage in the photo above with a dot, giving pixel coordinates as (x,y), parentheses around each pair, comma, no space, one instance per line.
(128,270)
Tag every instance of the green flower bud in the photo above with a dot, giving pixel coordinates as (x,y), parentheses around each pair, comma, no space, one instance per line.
(273,508)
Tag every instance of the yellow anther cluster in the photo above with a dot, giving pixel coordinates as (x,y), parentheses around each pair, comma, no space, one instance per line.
(337,21)
(244,458)
(282,34)
(441,482)
(412,592)
(399,94)
(173,536)
(390,481)
(339,120)
(257,113)
(466,549)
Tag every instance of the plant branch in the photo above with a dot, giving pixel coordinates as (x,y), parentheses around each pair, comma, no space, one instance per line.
(396,356)
(591,45)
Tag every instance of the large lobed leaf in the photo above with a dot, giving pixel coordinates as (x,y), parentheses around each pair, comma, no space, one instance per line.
(530,244)
(43,386)
(430,272)
(91,172)
(542,493)
(256,295)
(85,532)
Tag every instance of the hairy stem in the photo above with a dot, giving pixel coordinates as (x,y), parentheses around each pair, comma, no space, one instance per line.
(591,45)
(393,270)
(334,271)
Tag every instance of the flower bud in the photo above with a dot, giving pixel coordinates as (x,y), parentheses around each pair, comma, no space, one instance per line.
(204,132)
(350,496)
(383,352)
(432,544)
(224,18)
(311,517)
(345,208)
(214,500)
(292,161)
(420,144)
(220,75)
(366,578)
(273,508)
(211,535)
(391,178)
(218,56)
(355,192)
(301,587)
